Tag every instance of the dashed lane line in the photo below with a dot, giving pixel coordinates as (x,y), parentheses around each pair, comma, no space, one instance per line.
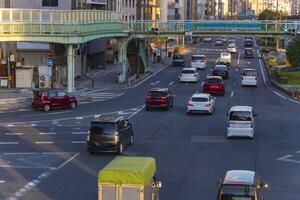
(78,142)
(171,83)
(14,133)
(2,181)
(79,133)
(232,93)
(44,142)
(8,143)
(49,133)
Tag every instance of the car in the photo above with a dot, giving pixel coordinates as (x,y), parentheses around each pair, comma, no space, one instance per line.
(231,41)
(225,58)
(218,42)
(248,43)
(189,75)
(201,103)
(214,85)
(178,60)
(241,122)
(241,184)
(207,39)
(220,70)
(109,133)
(249,77)
(198,61)
(224,39)
(159,98)
(248,53)
(231,48)
(44,99)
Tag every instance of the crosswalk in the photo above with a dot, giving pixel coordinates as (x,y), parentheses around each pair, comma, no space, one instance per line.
(97,96)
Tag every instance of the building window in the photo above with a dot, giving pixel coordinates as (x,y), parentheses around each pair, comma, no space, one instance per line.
(50,3)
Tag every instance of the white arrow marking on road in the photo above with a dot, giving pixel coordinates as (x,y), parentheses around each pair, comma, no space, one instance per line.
(14,133)
(287,158)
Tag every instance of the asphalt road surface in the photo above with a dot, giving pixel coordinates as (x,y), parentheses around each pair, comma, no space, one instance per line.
(43,156)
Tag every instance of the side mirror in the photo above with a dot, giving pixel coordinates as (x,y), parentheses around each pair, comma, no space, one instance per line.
(158,184)
(263,185)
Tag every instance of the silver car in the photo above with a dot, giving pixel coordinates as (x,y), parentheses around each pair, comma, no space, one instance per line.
(201,103)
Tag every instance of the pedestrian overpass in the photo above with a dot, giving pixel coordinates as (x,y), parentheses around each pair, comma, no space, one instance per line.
(72,27)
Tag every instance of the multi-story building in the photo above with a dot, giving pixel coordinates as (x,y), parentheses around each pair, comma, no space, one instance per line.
(148,9)
(201,9)
(295,7)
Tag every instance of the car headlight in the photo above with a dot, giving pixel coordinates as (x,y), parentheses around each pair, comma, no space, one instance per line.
(117,138)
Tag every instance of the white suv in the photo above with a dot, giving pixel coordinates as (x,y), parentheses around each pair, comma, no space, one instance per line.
(189,75)
(225,58)
(198,61)
(249,77)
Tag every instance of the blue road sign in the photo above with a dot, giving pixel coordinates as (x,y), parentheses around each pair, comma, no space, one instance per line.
(188,26)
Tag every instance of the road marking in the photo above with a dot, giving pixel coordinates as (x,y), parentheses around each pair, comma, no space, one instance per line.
(78,118)
(2,181)
(49,133)
(79,133)
(171,83)
(55,113)
(236,69)
(137,111)
(78,142)
(67,161)
(14,133)
(262,71)
(33,124)
(202,83)
(238,61)
(155,83)
(232,92)
(9,125)
(217,60)
(4,143)
(44,142)
(287,158)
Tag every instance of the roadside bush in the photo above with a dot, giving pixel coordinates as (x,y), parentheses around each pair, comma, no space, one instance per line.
(293,52)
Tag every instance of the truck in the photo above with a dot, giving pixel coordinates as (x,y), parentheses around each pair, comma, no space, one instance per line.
(129,178)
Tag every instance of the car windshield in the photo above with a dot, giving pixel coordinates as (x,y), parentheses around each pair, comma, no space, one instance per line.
(237,193)
(177,56)
(249,73)
(157,93)
(225,55)
(199,99)
(240,116)
(102,128)
(231,46)
(198,58)
(188,72)
(220,69)
(213,80)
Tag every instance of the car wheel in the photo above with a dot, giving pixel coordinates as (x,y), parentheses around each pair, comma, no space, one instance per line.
(73,105)
(121,149)
(131,139)
(46,108)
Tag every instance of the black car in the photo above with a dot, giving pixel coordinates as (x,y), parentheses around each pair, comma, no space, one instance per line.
(109,133)
(248,43)
(249,53)
(178,60)
(221,70)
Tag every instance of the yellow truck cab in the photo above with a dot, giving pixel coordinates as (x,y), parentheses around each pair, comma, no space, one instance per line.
(129,178)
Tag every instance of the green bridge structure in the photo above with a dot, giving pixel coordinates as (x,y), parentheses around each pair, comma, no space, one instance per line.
(71,27)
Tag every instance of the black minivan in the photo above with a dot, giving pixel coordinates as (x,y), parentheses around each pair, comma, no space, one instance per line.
(109,133)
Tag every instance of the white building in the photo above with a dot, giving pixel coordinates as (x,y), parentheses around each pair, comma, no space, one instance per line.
(295,7)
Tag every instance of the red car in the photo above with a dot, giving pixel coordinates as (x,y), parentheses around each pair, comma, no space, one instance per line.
(214,85)
(52,99)
(159,98)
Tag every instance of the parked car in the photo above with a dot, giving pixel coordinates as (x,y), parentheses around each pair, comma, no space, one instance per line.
(218,42)
(241,122)
(207,39)
(178,60)
(214,85)
(189,75)
(248,53)
(225,58)
(52,99)
(109,133)
(231,48)
(159,98)
(198,61)
(248,43)
(224,39)
(220,70)
(201,103)
(242,185)
(231,41)
(249,77)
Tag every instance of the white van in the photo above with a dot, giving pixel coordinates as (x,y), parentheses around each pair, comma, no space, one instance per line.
(198,61)
(240,122)
(225,58)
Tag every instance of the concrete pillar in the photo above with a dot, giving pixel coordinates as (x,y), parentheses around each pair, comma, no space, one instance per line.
(70,68)
(277,43)
(122,60)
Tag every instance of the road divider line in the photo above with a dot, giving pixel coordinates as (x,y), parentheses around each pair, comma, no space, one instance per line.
(14,133)
(67,161)
(44,142)
(2,181)
(78,142)
(202,83)
(217,60)
(9,143)
(171,83)
(238,61)
(79,133)
(232,93)
(262,70)
(49,133)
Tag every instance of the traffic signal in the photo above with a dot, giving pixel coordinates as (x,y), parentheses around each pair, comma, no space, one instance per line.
(290,31)
(153,30)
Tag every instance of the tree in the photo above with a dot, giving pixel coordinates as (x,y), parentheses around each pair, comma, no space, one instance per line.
(272,15)
(293,52)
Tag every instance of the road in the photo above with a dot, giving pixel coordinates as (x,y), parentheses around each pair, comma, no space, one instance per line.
(43,156)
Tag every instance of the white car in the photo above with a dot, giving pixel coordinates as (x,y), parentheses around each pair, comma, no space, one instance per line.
(249,77)
(201,103)
(231,48)
(231,41)
(198,61)
(225,58)
(207,39)
(189,75)
(240,122)
(224,39)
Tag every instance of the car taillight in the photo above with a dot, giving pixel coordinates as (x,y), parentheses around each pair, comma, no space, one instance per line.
(148,98)
(202,61)
(207,105)
(242,77)
(163,98)
(189,104)
(255,77)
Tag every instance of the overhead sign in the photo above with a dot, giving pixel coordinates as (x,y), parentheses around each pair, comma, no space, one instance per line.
(188,26)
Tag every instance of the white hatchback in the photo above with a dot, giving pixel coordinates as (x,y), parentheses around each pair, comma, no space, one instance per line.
(198,61)
(240,122)
(201,103)
(189,75)
(231,48)
(249,77)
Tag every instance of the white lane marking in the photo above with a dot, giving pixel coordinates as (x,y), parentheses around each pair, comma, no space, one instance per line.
(44,142)
(78,118)
(4,143)
(79,133)
(67,161)
(137,111)
(202,83)
(2,181)
(238,62)
(9,125)
(93,91)
(232,93)
(171,83)
(217,60)
(155,83)
(33,125)
(236,69)
(262,71)
(298,151)
(49,133)
(78,142)
(35,153)
(56,113)
(14,133)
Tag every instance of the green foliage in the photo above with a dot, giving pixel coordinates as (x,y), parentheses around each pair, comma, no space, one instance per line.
(272,15)
(287,77)
(274,61)
(293,52)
